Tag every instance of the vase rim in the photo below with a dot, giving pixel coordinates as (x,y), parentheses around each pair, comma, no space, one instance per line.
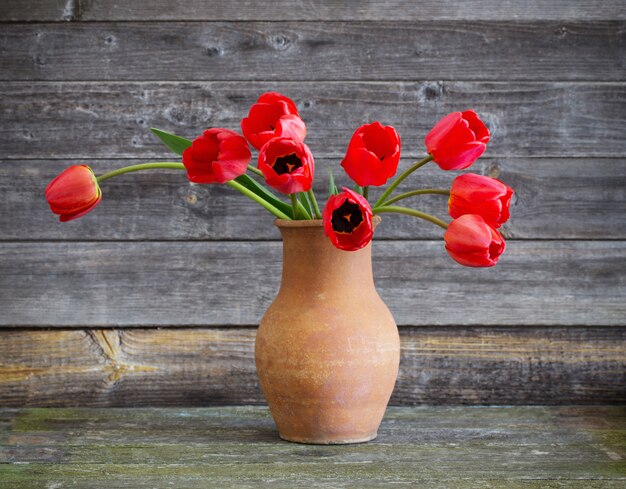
(311,223)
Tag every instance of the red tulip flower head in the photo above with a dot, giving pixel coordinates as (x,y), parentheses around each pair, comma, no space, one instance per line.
(348,220)
(73,193)
(457,140)
(472,242)
(373,154)
(274,115)
(287,165)
(485,196)
(219,155)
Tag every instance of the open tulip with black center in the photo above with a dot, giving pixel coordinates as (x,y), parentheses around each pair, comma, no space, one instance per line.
(287,165)
(485,196)
(472,242)
(73,193)
(274,115)
(373,154)
(219,155)
(457,140)
(348,220)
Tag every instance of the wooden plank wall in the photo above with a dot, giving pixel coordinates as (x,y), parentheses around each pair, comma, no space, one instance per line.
(153,298)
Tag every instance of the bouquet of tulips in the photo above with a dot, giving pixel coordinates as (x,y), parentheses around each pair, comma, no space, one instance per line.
(478,204)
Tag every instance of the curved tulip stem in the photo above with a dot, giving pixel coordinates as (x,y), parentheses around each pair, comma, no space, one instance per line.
(316,208)
(422,191)
(411,212)
(398,180)
(254,170)
(259,200)
(143,166)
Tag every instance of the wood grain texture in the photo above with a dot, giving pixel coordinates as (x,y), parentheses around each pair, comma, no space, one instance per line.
(203,367)
(305,51)
(555,199)
(232,283)
(536,447)
(311,10)
(111,120)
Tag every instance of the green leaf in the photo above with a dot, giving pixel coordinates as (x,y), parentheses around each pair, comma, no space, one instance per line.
(302,197)
(332,188)
(358,189)
(265,194)
(172,141)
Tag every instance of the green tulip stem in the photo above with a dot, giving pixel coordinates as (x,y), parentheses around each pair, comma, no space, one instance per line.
(316,208)
(254,170)
(410,212)
(423,191)
(294,204)
(143,166)
(301,209)
(259,200)
(179,166)
(399,180)
(298,209)
(366,192)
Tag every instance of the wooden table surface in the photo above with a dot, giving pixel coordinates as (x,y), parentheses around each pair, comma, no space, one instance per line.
(451,447)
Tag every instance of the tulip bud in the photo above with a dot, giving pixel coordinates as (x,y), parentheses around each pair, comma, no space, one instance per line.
(373,154)
(73,193)
(472,242)
(274,115)
(485,196)
(217,156)
(287,165)
(457,140)
(348,220)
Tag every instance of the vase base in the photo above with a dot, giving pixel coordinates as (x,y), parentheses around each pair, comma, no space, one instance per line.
(325,441)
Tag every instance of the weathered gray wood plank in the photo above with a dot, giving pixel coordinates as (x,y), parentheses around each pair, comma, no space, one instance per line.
(90,10)
(232,283)
(579,198)
(307,51)
(238,447)
(201,367)
(111,120)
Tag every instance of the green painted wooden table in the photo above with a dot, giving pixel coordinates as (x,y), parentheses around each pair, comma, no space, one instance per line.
(451,447)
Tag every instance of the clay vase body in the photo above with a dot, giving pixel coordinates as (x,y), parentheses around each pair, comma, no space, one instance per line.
(327,349)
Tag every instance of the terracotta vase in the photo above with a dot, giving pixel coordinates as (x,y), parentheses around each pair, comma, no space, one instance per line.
(327,349)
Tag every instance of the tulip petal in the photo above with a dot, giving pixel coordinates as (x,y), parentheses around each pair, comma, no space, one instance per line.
(373,154)
(478,194)
(217,156)
(440,131)
(291,126)
(456,142)
(477,126)
(361,234)
(472,242)
(73,193)
(296,179)
(264,121)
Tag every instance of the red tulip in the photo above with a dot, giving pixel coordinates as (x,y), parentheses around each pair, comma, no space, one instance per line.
(457,140)
(274,115)
(485,196)
(287,165)
(373,154)
(73,193)
(219,155)
(472,242)
(348,220)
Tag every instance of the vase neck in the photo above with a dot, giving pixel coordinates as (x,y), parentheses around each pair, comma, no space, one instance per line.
(312,263)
